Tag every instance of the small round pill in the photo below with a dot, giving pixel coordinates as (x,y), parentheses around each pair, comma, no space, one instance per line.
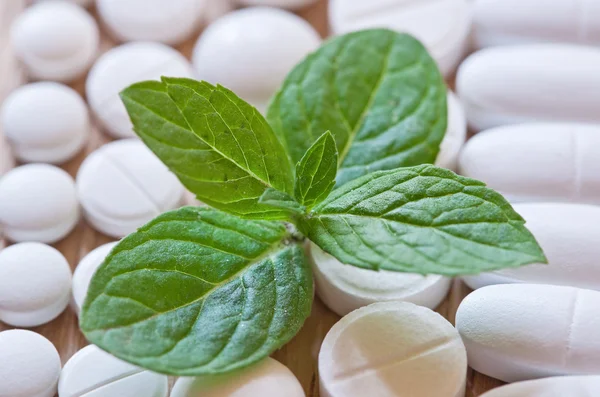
(56,40)
(38,202)
(30,365)
(45,122)
(35,284)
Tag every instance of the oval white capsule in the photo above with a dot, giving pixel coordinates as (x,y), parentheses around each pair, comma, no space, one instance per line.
(569,235)
(506,22)
(538,82)
(559,386)
(517,332)
(537,162)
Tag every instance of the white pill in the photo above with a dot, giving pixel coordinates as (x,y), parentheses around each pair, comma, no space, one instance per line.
(289,4)
(537,162)
(168,22)
(537,82)
(56,40)
(506,22)
(456,134)
(559,386)
(251,51)
(443,26)
(30,365)
(569,235)
(38,202)
(392,349)
(266,378)
(7,160)
(45,122)
(516,332)
(35,284)
(92,372)
(122,66)
(85,271)
(344,288)
(123,185)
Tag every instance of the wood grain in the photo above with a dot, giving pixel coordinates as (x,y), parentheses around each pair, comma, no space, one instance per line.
(300,355)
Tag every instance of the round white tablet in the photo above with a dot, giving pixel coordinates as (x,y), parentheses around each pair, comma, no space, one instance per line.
(168,22)
(456,134)
(289,4)
(266,378)
(122,66)
(30,365)
(85,271)
(35,284)
(38,202)
(251,51)
(443,26)
(123,185)
(56,40)
(557,386)
(7,160)
(393,349)
(344,288)
(45,122)
(92,372)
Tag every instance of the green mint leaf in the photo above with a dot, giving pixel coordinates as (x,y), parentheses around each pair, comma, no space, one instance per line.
(421,219)
(221,148)
(379,92)
(277,199)
(198,291)
(315,172)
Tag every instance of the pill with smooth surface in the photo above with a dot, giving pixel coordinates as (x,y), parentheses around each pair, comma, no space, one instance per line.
(456,134)
(35,284)
(516,332)
(289,4)
(344,288)
(527,83)
(537,161)
(38,202)
(266,378)
(92,372)
(251,51)
(569,235)
(45,122)
(508,22)
(85,271)
(560,386)
(169,22)
(125,65)
(443,26)
(30,365)
(123,185)
(392,349)
(56,40)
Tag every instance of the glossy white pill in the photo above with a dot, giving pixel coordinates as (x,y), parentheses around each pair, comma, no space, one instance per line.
(85,271)
(35,284)
(506,22)
(289,4)
(537,162)
(45,122)
(168,22)
(559,386)
(443,26)
(122,66)
(516,332)
(537,82)
(7,160)
(569,236)
(392,349)
(92,372)
(344,288)
(456,134)
(56,40)
(30,365)
(250,51)
(123,185)
(38,202)
(266,378)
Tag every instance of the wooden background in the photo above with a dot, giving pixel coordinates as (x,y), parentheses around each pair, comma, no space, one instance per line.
(300,355)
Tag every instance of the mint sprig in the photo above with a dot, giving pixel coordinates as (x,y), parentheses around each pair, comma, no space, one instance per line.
(202,291)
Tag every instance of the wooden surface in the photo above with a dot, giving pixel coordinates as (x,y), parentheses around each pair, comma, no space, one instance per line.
(300,355)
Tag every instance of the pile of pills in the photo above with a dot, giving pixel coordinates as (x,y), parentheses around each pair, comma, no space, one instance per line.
(529,92)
